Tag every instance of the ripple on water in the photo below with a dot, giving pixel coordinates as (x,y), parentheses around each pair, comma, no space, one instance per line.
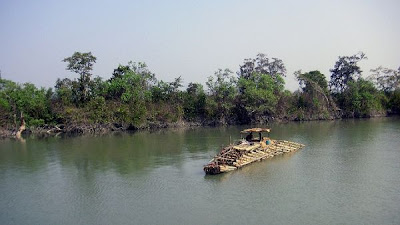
(348,173)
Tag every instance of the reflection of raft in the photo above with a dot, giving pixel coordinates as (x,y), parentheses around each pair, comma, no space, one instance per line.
(248,151)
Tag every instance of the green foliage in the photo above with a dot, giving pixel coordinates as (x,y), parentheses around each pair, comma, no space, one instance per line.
(121,99)
(65,91)
(82,64)
(131,89)
(159,92)
(97,87)
(314,100)
(194,105)
(167,91)
(36,122)
(361,99)
(97,110)
(222,94)
(260,87)
(262,65)
(313,81)
(260,93)
(394,101)
(386,79)
(32,102)
(133,96)
(5,103)
(131,85)
(345,71)
(168,101)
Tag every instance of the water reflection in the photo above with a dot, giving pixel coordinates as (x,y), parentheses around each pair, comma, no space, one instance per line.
(348,173)
(142,152)
(121,152)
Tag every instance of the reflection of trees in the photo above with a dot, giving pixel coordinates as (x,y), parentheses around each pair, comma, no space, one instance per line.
(122,152)
(143,151)
(29,154)
(127,153)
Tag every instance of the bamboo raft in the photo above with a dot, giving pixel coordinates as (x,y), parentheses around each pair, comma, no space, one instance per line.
(248,151)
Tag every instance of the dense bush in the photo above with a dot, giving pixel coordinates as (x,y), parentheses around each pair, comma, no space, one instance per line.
(27,100)
(134,97)
(360,99)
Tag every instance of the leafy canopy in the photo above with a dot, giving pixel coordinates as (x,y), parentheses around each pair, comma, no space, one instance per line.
(262,65)
(81,63)
(344,71)
(222,92)
(386,79)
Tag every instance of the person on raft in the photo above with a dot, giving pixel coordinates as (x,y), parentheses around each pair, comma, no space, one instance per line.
(249,137)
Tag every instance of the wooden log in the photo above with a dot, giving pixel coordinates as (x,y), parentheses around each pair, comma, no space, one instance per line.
(232,157)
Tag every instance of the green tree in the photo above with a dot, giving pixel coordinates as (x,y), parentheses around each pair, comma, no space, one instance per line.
(262,65)
(386,79)
(394,101)
(167,91)
(6,105)
(82,64)
(168,100)
(314,98)
(312,81)
(259,95)
(97,87)
(64,90)
(120,71)
(360,99)
(260,87)
(194,102)
(97,110)
(131,89)
(345,71)
(222,92)
(117,84)
(32,102)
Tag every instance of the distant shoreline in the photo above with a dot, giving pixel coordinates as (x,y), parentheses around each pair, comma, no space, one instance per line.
(134,99)
(87,129)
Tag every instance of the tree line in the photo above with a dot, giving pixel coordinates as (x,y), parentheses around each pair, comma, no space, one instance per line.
(133,96)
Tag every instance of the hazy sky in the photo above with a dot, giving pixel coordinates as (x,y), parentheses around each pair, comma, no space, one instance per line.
(193,39)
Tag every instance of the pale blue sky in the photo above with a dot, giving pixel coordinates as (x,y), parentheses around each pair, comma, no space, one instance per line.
(193,39)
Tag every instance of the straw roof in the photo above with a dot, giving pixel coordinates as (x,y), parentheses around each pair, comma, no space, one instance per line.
(256,130)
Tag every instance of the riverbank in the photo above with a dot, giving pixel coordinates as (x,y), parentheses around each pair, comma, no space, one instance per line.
(83,129)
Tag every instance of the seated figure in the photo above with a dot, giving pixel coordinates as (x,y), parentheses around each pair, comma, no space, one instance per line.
(249,137)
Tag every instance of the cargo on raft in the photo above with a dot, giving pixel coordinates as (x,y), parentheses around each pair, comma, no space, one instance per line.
(249,150)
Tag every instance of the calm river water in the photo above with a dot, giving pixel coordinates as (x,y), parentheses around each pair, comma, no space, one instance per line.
(348,173)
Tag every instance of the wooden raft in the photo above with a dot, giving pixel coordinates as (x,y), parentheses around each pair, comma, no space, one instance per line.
(236,156)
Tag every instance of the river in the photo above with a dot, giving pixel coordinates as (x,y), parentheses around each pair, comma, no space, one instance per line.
(348,173)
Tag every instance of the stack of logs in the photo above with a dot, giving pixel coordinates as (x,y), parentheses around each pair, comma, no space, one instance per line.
(231,157)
